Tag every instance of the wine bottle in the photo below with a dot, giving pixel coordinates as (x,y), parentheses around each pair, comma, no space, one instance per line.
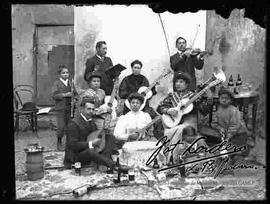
(82,190)
(238,84)
(231,84)
(117,162)
(156,165)
(171,161)
(182,168)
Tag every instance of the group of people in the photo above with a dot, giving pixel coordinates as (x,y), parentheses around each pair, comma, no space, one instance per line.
(92,113)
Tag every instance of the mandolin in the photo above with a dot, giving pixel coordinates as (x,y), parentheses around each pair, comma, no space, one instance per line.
(98,134)
(110,101)
(146,91)
(142,130)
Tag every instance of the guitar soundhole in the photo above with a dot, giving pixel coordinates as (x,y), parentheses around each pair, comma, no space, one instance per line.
(182,107)
(110,104)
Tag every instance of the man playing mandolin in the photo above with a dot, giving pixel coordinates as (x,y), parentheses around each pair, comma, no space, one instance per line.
(186,61)
(83,142)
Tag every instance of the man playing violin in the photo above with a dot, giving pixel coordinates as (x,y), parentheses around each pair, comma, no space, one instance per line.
(186,60)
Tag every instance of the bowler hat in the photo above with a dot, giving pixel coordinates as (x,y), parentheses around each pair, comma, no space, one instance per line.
(29,106)
(93,74)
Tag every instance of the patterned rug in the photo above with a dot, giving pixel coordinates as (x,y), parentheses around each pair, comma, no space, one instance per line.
(58,185)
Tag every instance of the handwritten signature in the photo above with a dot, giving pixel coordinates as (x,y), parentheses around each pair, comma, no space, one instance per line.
(225,145)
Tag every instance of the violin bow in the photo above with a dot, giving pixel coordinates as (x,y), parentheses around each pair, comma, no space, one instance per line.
(197,30)
(164,34)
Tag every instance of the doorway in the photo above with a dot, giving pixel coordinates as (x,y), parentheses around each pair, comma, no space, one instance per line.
(54,47)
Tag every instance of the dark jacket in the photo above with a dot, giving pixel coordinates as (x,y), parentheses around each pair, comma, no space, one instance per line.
(77,131)
(186,65)
(57,93)
(95,63)
(131,84)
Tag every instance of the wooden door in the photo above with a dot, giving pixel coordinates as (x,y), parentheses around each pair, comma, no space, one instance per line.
(55,46)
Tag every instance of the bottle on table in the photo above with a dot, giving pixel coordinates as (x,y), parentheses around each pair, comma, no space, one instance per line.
(231,84)
(238,84)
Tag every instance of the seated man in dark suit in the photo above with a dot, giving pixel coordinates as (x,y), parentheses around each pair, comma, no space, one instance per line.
(78,147)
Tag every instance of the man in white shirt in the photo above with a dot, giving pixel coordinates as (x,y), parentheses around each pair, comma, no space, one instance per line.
(78,149)
(129,126)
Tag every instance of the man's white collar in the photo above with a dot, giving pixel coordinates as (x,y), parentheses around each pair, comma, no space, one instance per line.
(100,57)
(87,120)
(64,81)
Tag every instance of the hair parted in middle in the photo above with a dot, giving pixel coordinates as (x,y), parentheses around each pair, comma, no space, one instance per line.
(136,62)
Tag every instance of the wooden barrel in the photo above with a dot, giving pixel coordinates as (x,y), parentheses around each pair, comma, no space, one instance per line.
(34,165)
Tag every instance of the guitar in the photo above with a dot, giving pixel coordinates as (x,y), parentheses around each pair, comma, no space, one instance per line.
(98,134)
(186,104)
(146,91)
(110,100)
(142,130)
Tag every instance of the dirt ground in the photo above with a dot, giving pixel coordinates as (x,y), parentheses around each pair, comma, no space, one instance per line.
(47,139)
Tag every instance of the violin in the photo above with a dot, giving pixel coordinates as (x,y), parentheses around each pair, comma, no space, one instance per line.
(197,51)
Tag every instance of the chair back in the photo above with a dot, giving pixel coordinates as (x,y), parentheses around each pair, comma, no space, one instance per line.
(22,94)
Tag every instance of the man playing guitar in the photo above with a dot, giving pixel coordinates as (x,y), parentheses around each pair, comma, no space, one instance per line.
(181,91)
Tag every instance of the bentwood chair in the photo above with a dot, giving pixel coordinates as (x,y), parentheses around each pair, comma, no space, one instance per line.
(24,106)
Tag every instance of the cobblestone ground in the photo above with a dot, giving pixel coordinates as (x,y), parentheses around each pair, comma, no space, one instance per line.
(47,139)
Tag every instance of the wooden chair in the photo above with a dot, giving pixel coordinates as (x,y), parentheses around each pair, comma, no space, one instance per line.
(24,106)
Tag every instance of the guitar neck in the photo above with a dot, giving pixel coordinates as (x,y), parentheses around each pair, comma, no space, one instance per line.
(155,82)
(151,123)
(196,96)
(113,93)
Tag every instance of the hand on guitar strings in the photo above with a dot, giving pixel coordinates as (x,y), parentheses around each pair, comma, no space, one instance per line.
(133,136)
(172,112)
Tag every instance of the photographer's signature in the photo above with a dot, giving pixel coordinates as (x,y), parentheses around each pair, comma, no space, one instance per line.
(208,161)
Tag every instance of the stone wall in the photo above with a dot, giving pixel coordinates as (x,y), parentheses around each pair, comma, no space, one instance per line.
(24,20)
(238,45)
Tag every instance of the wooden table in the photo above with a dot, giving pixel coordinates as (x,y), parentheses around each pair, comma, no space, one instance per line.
(242,102)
